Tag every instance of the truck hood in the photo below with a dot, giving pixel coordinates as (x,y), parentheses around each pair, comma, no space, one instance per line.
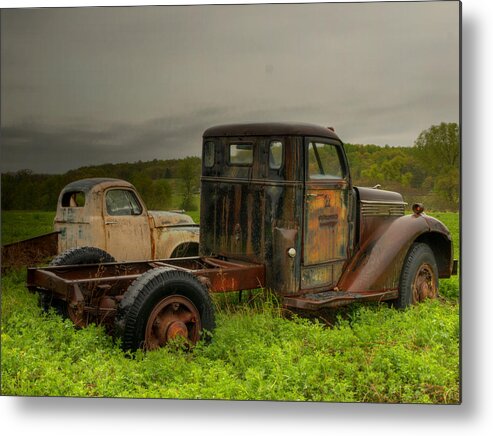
(378,195)
(170,219)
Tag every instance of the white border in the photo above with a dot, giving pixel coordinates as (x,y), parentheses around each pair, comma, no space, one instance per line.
(52,416)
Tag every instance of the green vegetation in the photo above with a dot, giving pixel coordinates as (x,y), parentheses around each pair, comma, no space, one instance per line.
(19,225)
(161,184)
(437,149)
(371,353)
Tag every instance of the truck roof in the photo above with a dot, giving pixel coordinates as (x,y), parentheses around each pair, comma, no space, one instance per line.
(270,129)
(87,184)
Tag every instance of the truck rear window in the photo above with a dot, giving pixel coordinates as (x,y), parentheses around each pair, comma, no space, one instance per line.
(241,154)
(73,199)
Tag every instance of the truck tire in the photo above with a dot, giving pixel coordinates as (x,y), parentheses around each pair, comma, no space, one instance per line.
(161,305)
(419,276)
(82,256)
(74,256)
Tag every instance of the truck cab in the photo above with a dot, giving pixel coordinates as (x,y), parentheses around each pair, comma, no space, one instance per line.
(280,194)
(110,214)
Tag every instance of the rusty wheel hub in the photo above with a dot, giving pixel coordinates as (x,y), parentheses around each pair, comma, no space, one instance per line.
(173,317)
(424,284)
(76,313)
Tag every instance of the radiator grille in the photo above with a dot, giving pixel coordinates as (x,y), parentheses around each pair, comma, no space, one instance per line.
(382,209)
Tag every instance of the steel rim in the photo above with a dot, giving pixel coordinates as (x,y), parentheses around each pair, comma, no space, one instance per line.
(174,317)
(76,315)
(424,284)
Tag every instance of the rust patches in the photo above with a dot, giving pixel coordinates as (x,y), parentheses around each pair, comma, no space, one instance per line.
(111,215)
(377,263)
(91,291)
(173,317)
(326,225)
(300,229)
(31,251)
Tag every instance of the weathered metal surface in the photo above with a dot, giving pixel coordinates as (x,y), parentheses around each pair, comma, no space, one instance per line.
(424,284)
(261,213)
(86,223)
(92,291)
(175,241)
(91,212)
(30,252)
(384,243)
(249,212)
(325,242)
(170,219)
(326,223)
(332,299)
(173,317)
(270,129)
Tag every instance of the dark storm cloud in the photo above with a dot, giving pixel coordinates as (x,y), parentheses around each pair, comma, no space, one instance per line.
(41,148)
(82,145)
(124,84)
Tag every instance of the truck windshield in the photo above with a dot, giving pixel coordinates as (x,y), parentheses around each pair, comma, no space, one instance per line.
(122,202)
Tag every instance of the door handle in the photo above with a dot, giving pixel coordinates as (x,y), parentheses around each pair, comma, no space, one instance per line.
(110,222)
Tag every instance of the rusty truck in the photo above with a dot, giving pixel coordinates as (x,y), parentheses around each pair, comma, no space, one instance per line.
(278,211)
(108,217)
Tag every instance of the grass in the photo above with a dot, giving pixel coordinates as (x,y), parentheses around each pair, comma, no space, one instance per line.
(372,353)
(19,225)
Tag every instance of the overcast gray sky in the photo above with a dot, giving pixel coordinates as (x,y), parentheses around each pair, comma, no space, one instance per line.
(83,86)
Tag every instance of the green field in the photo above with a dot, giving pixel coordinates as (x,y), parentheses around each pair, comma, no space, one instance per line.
(370,353)
(19,225)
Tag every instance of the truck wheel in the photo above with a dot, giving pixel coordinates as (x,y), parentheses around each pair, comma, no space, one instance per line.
(419,276)
(74,256)
(161,305)
(82,256)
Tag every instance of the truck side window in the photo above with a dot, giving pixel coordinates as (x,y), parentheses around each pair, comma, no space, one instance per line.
(275,155)
(241,154)
(324,161)
(73,199)
(122,202)
(209,154)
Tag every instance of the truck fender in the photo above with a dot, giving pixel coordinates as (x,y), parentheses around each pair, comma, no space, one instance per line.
(176,241)
(377,262)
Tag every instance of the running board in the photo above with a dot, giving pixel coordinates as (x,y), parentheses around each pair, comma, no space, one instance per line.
(331,299)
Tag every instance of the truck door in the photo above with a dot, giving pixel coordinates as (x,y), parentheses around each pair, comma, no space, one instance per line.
(127,230)
(326,230)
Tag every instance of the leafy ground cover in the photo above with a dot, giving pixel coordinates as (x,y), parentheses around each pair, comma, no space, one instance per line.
(370,353)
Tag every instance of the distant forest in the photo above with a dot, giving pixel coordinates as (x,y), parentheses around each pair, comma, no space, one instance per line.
(427,172)
(163,184)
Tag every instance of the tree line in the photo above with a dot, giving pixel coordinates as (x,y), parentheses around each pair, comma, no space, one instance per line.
(428,172)
(163,184)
